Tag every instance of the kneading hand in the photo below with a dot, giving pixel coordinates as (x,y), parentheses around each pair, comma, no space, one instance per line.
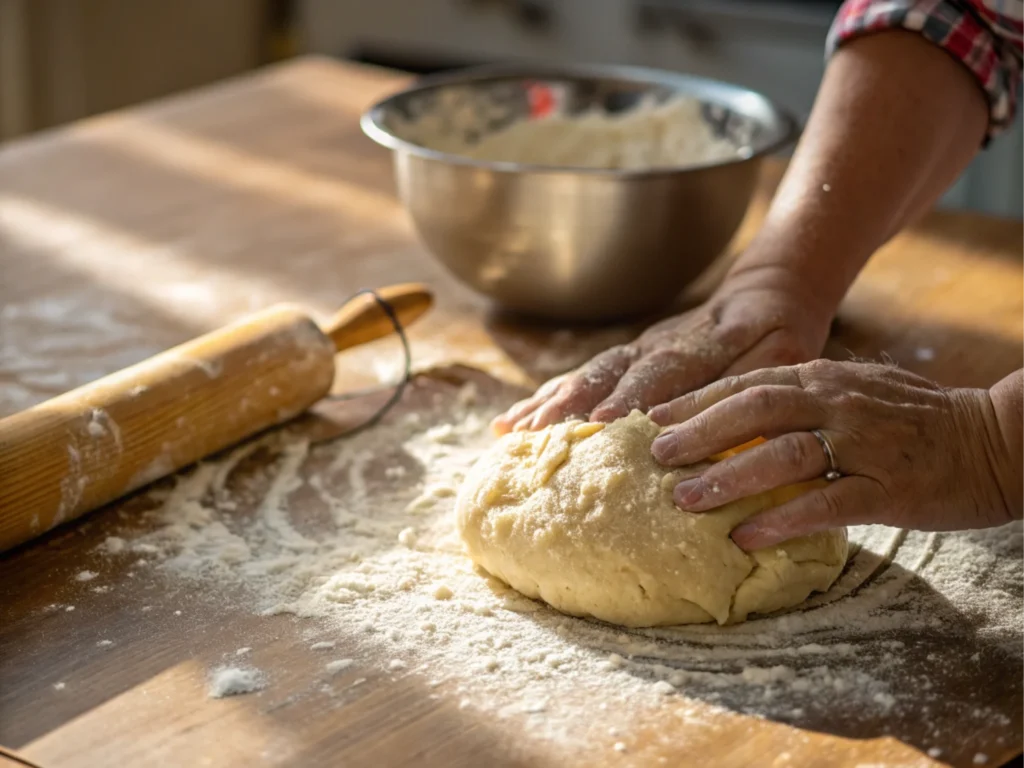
(911,453)
(757,319)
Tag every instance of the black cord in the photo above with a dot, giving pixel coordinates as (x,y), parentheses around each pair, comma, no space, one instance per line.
(406,377)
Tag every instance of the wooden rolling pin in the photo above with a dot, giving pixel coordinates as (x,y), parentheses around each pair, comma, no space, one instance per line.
(79,451)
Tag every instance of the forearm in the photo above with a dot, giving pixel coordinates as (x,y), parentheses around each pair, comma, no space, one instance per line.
(895,122)
(1008,403)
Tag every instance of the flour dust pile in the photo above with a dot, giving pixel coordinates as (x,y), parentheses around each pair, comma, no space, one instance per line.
(357,535)
(234,681)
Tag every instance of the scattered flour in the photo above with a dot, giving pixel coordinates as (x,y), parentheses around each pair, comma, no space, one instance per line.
(339,665)
(113,545)
(855,658)
(95,426)
(86,575)
(38,366)
(234,681)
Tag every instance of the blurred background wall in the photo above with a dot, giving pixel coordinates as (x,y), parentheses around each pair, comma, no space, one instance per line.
(65,59)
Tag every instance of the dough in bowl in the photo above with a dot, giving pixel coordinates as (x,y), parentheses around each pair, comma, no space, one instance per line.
(579,515)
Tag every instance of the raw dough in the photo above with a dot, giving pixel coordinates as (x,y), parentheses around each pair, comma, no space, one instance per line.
(651,135)
(580,516)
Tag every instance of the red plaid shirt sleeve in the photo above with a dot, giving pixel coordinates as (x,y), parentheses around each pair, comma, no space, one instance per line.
(986,35)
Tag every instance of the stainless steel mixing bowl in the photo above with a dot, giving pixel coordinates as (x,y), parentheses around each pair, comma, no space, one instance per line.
(576,244)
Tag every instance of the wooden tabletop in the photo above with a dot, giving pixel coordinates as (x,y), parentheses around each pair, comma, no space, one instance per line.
(127,234)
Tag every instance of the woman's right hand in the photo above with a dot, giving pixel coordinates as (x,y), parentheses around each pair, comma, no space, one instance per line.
(759,318)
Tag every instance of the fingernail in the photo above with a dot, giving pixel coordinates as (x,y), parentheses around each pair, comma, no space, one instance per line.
(689,492)
(659,414)
(665,446)
(743,533)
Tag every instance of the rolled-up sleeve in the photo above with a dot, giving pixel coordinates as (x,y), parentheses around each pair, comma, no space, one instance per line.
(987,43)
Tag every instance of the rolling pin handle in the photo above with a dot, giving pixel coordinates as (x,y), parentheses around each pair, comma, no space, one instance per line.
(362,319)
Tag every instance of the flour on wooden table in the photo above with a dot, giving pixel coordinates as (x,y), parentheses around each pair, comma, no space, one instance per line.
(41,365)
(339,665)
(357,536)
(234,681)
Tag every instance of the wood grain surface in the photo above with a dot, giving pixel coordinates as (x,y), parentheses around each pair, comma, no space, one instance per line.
(97,443)
(128,234)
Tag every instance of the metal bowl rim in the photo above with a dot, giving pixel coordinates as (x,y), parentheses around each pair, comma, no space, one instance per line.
(784,133)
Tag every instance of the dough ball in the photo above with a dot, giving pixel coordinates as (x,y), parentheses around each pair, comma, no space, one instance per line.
(579,515)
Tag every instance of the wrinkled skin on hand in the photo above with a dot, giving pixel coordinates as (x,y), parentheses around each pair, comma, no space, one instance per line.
(757,319)
(912,454)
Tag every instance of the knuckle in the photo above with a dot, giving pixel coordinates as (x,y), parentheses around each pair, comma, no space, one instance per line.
(718,484)
(616,351)
(674,409)
(816,369)
(722,480)
(830,506)
(760,399)
(844,400)
(628,352)
(794,453)
(571,399)
(819,375)
(666,357)
(699,425)
(725,385)
(611,359)
(578,382)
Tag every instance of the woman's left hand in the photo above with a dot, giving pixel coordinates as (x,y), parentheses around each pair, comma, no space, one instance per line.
(911,454)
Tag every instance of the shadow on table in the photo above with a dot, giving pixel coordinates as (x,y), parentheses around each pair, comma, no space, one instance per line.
(954,685)
(950,354)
